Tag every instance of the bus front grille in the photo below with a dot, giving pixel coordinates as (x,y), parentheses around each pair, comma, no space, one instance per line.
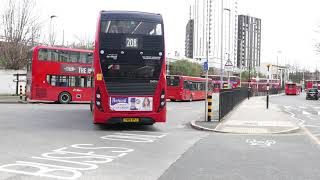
(121,88)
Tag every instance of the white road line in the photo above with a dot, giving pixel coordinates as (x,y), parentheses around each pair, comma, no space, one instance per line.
(306,113)
(304,128)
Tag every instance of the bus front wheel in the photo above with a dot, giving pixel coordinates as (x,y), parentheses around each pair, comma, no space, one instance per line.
(64,98)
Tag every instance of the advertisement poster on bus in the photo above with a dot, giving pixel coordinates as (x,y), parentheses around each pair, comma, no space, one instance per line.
(131,103)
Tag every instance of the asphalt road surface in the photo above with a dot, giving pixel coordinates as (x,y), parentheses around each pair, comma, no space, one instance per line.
(305,111)
(53,141)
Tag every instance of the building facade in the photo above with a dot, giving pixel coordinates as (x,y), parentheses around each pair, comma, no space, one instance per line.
(249,42)
(189,39)
(215,24)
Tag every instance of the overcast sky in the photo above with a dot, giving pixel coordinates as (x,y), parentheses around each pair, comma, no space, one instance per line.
(288,26)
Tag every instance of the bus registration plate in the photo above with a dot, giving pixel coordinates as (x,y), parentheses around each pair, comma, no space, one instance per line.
(130,120)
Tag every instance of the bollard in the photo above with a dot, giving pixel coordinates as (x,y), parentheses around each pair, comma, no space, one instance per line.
(209,107)
(25,93)
(20,92)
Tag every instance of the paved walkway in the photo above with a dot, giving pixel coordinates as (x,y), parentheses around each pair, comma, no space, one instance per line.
(9,99)
(252,117)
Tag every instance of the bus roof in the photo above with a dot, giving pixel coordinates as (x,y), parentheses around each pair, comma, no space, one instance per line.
(130,15)
(61,48)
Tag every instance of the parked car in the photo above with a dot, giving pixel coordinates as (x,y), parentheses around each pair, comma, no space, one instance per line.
(312,93)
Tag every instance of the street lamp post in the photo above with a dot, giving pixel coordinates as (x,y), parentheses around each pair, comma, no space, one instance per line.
(268,85)
(51,30)
(221,60)
(229,44)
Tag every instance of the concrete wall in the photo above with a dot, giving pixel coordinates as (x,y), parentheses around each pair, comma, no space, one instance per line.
(7,86)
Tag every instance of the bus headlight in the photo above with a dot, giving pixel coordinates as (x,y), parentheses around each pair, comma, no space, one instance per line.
(98,103)
(98,96)
(162,103)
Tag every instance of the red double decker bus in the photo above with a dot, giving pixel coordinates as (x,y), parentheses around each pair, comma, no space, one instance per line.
(312,84)
(260,85)
(186,88)
(129,62)
(59,74)
(234,82)
(292,88)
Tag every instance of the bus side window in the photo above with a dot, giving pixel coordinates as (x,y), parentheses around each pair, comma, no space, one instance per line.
(64,56)
(89,58)
(63,81)
(75,57)
(53,80)
(89,81)
(43,54)
(53,55)
(48,79)
(202,86)
(192,86)
(82,83)
(186,85)
(72,81)
(83,58)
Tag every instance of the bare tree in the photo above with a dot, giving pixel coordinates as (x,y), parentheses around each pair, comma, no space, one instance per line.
(83,42)
(21,28)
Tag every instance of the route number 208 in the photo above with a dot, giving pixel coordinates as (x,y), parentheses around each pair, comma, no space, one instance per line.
(132,43)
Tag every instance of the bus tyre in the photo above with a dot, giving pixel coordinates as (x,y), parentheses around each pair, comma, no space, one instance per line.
(64,98)
(173,100)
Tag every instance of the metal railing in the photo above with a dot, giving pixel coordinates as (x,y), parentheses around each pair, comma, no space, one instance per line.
(271,92)
(229,98)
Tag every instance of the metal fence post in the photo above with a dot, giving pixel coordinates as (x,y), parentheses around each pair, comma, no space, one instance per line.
(20,92)
(209,107)
(25,93)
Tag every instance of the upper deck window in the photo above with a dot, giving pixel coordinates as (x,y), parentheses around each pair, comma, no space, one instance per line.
(131,27)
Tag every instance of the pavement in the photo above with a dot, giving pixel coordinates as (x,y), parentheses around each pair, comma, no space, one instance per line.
(252,117)
(7,99)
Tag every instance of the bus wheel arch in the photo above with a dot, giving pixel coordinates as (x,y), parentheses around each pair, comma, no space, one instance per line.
(64,97)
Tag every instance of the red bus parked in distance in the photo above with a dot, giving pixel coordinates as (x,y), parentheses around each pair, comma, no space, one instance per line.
(59,74)
(234,82)
(186,88)
(292,89)
(312,84)
(129,61)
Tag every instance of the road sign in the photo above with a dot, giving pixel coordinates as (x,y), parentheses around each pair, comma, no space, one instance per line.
(228,66)
(205,66)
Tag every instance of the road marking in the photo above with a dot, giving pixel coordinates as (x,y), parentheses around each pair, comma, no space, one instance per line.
(311,126)
(260,143)
(142,138)
(259,123)
(76,158)
(302,107)
(303,127)
(305,113)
